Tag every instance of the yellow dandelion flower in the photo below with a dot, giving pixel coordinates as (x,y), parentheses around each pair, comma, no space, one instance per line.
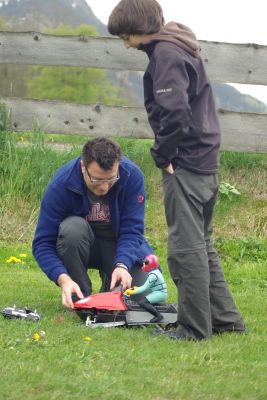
(13,259)
(10,259)
(36,336)
(23,255)
(87,339)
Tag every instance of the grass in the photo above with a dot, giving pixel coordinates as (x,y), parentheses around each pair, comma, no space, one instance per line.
(26,170)
(129,363)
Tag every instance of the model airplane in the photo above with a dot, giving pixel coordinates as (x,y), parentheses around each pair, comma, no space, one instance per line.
(20,313)
(110,309)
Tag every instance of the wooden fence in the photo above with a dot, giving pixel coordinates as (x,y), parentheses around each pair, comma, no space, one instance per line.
(225,62)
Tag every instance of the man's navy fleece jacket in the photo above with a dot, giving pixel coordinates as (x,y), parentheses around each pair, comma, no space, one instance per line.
(66,195)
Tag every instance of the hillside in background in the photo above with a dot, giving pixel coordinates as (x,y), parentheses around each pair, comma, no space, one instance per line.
(39,15)
(229,98)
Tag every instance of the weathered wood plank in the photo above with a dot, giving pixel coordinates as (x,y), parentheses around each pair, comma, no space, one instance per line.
(236,63)
(243,131)
(225,62)
(240,131)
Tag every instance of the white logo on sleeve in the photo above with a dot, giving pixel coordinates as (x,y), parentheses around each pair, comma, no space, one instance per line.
(167,90)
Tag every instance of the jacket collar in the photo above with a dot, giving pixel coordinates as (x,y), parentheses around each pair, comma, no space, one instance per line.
(148,48)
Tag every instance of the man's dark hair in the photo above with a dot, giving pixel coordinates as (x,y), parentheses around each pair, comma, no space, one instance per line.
(103,151)
(136,17)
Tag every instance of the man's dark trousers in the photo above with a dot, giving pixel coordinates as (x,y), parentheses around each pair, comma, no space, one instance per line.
(79,250)
(205,303)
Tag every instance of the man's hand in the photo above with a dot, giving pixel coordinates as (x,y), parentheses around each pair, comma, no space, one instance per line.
(169,169)
(121,276)
(68,287)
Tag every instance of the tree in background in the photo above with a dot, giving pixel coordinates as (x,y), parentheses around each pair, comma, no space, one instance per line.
(77,84)
(2,24)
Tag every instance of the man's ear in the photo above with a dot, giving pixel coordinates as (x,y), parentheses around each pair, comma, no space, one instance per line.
(82,166)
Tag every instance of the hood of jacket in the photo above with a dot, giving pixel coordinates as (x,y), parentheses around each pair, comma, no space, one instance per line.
(179,34)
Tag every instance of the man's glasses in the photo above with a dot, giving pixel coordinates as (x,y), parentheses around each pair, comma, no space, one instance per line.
(98,182)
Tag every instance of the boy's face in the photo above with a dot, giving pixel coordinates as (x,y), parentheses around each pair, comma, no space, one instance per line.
(134,40)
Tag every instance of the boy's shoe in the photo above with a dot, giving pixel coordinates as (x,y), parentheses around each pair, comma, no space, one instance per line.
(172,334)
(179,333)
(161,331)
(236,327)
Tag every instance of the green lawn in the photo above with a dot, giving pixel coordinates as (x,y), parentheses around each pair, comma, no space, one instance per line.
(76,362)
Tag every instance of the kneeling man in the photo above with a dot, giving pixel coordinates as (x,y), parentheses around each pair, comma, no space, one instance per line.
(92,216)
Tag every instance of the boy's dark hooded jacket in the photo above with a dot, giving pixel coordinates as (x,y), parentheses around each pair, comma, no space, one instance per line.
(180,103)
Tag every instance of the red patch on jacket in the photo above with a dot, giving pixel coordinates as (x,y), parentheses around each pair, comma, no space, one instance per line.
(140,199)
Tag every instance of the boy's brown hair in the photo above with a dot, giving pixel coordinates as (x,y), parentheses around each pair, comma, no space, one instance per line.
(136,17)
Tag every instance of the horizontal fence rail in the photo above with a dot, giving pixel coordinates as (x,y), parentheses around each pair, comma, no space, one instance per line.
(242,131)
(225,62)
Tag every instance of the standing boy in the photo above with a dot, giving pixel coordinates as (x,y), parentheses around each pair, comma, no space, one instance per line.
(181,111)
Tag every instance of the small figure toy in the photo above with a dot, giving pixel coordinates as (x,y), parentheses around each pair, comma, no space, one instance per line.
(155,282)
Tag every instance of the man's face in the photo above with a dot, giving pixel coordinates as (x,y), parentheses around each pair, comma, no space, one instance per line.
(134,40)
(99,180)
